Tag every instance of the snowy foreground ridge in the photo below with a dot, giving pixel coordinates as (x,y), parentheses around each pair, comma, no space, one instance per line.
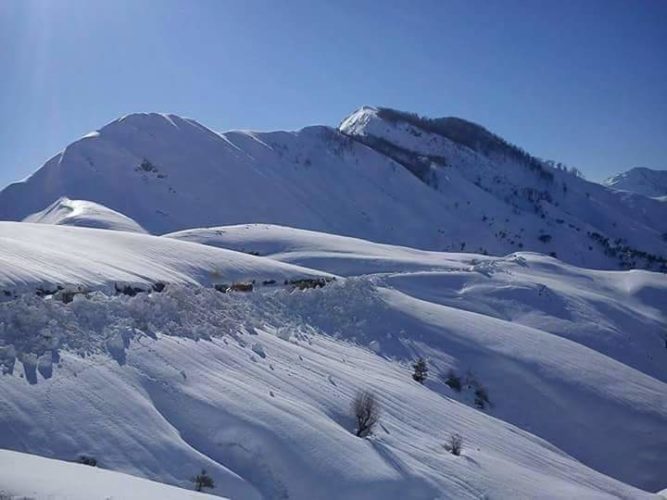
(121,346)
(25,476)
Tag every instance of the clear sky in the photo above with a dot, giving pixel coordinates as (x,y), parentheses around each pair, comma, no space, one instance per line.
(580,81)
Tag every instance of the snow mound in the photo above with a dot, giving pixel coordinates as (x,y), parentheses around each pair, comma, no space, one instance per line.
(348,256)
(24,476)
(85,214)
(43,256)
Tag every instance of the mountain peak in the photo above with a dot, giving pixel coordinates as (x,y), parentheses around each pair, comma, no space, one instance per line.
(640,180)
(146,121)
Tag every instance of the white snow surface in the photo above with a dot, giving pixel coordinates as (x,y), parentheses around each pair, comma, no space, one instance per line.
(640,180)
(169,173)
(256,387)
(85,214)
(24,476)
(44,256)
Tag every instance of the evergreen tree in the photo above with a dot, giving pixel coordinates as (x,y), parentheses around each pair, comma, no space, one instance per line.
(203,480)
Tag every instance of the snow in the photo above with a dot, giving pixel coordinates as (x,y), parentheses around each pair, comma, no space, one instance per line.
(644,181)
(44,256)
(276,426)
(38,478)
(366,247)
(256,387)
(525,288)
(169,173)
(85,214)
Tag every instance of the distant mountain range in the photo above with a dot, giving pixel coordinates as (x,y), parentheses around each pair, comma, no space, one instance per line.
(652,183)
(384,175)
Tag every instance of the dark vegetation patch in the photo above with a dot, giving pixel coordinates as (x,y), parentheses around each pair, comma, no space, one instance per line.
(471,135)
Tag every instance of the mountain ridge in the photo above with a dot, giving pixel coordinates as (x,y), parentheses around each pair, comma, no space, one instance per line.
(373,177)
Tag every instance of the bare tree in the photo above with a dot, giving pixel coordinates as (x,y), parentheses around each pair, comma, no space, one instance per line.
(455,444)
(366,410)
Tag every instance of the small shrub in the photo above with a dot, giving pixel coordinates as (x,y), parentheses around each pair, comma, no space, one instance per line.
(203,480)
(366,410)
(545,238)
(481,397)
(453,381)
(241,287)
(306,283)
(455,444)
(421,371)
(146,166)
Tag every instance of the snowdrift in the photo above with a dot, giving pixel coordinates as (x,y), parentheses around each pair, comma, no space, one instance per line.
(85,214)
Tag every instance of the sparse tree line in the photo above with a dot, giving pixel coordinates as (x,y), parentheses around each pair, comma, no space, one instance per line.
(366,410)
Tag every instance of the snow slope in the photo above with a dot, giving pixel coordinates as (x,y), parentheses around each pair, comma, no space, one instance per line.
(620,314)
(256,387)
(85,214)
(376,177)
(43,256)
(640,180)
(263,405)
(37,478)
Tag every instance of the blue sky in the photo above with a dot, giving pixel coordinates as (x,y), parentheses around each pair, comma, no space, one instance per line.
(580,81)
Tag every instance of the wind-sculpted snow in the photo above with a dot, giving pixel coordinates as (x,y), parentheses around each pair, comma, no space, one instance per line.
(256,388)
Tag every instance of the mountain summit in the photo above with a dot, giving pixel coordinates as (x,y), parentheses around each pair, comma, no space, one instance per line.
(384,175)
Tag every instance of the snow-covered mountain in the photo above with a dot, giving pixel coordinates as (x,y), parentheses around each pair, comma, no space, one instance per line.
(652,183)
(82,213)
(564,386)
(382,175)
(290,272)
